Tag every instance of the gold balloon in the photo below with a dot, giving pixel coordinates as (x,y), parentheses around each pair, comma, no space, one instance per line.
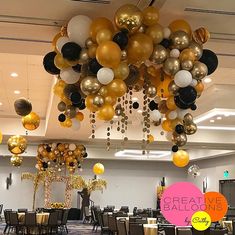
(99,24)
(162,107)
(159,54)
(84,57)
(31,121)
(16,160)
(79,116)
(128,17)
(117,87)
(190,129)
(106,112)
(188,119)
(179,139)
(181,158)
(166,125)
(170,103)
(140,48)
(89,103)
(60,62)
(150,138)
(58,88)
(104,35)
(108,54)
(92,51)
(103,91)
(199,70)
(70,111)
(90,85)
(151,91)
(124,55)
(162,89)
(197,49)
(173,88)
(17,144)
(0,137)
(110,100)
(199,87)
(55,39)
(151,16)
(61,106)
(89,42)
(67,123)
(171,66)
(122,71)
(98,169)
(155,32)
(180,25)
(201,35)
(187,54)
(179,40)
(98,101)
(187,65)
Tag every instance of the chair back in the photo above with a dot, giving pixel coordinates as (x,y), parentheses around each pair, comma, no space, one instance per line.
(60,214)
(222,231)
(168,229)
(121,227)
(141,220)
(13,216)
(125,209)
(120,214)
(53,219)
(184,231)
(100,218)
(65,217)
(22,210)
(105,219)
(136,229)
(30,218)
(112,223)
(7,215)
(1,207)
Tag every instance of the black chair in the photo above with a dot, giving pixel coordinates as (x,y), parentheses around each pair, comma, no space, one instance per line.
(125,209)
(7,219)
(108,209)
(134,210)
(141,221)
(215,231)
(104,229)
(112,224)
(30,222)
(168,229)
(22,210)
(121,226)
(183,231)
(14,222)
(63,223)
(120,214)
(95,221)
(136,229)
(1,207)
(52,223)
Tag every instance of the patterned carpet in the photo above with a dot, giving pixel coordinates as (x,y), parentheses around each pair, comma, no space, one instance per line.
(74,227)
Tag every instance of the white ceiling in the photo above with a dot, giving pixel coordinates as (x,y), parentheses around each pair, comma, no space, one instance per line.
(22,46)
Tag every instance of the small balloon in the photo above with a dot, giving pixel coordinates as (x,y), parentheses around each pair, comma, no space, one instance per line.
(190,129)
(171,66)
(98,169)
(49,65)
(122,71)
(70,111)
(194,171)
(209,58)
(94,66)
(156,33)
(121,39)
(199,71)
(151,91)
(106,112)
(159,54)
(71,51)
(17,144)
(179,139)
(98,101)
(103,35)
(197,49)
(201,35)
(117,87)
(105,75)
(179,40)
(180,25)
(181,158)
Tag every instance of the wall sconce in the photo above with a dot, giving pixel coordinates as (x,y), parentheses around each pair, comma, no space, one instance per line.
(9,181)
(204,185)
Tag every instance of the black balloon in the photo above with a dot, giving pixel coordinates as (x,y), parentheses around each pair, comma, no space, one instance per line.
(133,76)
(45,165)
(153,105)
(180,104)
(179,129)
(82,104)
(209,58)
(187,95)
(94,66)
(48,149)
(61,117)
(71,164)
(175,148)
(135,105)
(166,43)
(75,97)
(193,107)
(69,89)
(121,39)
(22,107)
(48,63)
(85,155)
(71,51)
(77,68)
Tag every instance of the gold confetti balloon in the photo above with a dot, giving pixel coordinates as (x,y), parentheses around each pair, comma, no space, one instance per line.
(17,144)
(201,35)
(31,121)
(16,160)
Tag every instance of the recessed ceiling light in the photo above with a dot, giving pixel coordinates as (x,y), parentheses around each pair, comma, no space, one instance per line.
(207,80)
(219,118)
(14,75)
(17,92)
(139,111)
(226,115)
(0,103)
(212,120)
(135,99)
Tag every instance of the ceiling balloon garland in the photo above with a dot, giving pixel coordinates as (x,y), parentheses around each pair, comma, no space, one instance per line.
(100,63)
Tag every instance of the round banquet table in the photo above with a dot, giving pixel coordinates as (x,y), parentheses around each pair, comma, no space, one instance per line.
(150,229)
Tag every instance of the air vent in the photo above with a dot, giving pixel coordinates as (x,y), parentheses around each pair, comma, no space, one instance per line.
(210,11)
(93,1)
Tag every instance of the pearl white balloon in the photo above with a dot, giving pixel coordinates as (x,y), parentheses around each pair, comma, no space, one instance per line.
(155,115)
(172,115)
(181,113)
(105,75)
(69,76)
(193,83)
(175,53)
(166,32)
(183,78)
(72,147)
(79,29)
(60,43)
(76,124)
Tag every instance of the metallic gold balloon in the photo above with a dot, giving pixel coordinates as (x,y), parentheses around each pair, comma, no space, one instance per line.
(173,88)
(60,62)
(181,158)
(171,66)
(151,91)
(67,123)
(140,48)
(104,35)
(90,85)
(89,42)
(61,106)
(159,54)
(188,119)
(155,32)
(128,17)
(89,103)
(162,89)
(199,70)
(180,25)
(84,57)
(190,129)
(22,106)
(151,15)
(16,160)
(31,121)
(187,54)
(187,65)
(124,55)
(117,87)
(179,139)
(162,107)
(92,51)
(201,35)
(110,100)
(98,169)
(103,91)
(150,138)
(70,111)
(98,101)
(179,40)
(17,144)
(122,71)
(197,49)
(106,112)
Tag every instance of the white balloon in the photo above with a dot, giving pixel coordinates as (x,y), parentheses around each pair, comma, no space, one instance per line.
(72,147)
(181,113)
(166,32)
(172,115)
(193,83)
(105,75)
(175,53)
(79,29)
(183,78)
(69,76)
(155,115)
(60,43)
(75,124)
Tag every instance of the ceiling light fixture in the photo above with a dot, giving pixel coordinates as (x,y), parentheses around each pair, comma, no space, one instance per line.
(218,128)
(219,118)
(14,75)
(0,103)
(17,92)
(212,120)
(207,80)
(132,153)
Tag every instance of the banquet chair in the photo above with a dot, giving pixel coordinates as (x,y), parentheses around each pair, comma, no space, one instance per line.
(233,226)
(222,231)
(183,231)
(197,232)
(134,210)
(125,209)
(105,219)
(22,210)
(132,219)
(7,219)
(14,222)
(168,229)
(141,221)
(120,214)
(52,223)
(30,222)
(121,226)
(87,215)
(104,229)
(1,207)
(136,229)
(63,223)
(95,219)
(112,224)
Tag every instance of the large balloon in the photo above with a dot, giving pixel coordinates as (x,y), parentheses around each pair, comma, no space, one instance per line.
(187,95)
(90,85)
(199,70)
(181,158)
(155,32)
(117,88)
(210,59)
(49,65)
(151,16)
(31,121)
(180,25)
(69,76)
(140,48)
(71,51)
(106,112)
(78,29)
(180,40)
(17,144)
(22,107)
(171,66)
(108,54)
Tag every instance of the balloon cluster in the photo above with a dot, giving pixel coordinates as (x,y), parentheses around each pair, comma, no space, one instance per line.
(17,145)
(97,62)
(61,155)
(30,120)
